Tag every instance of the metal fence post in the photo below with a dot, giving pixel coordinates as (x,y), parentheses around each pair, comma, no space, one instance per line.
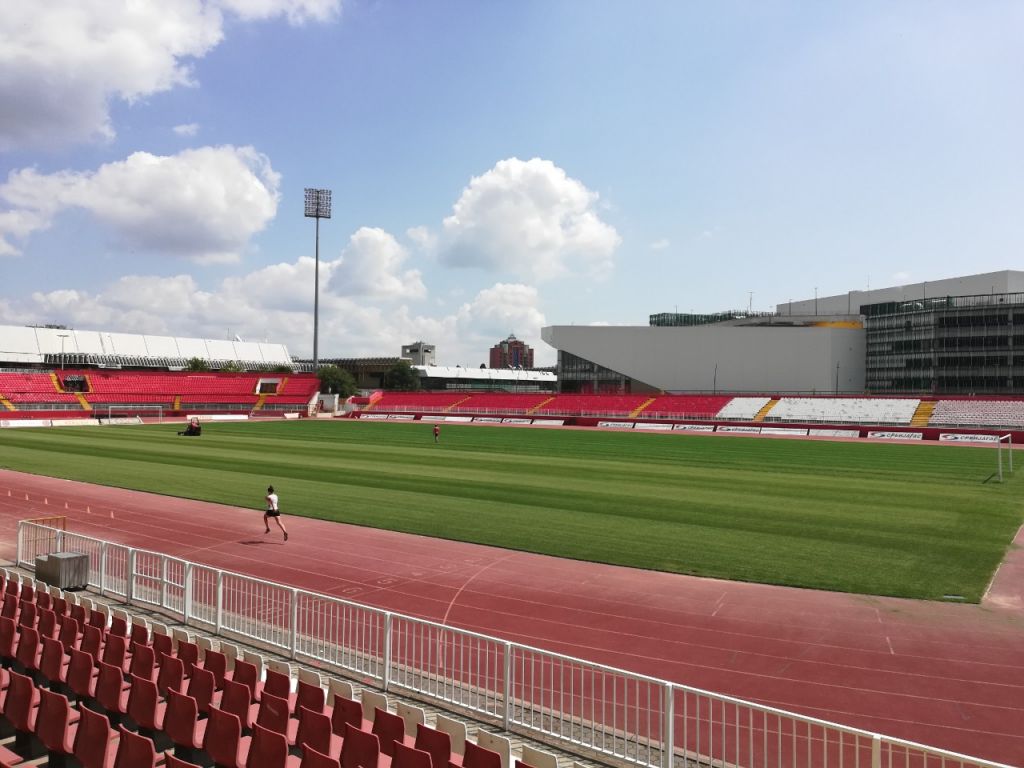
(294,621)
(876,751)
(21,542)
(386,674)
(668,736)
(163,581)
(59,545)
(220,602)
(507,688)
(103,569)
(129,588)
(187,599)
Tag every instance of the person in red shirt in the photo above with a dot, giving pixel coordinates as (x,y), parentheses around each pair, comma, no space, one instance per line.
(437,433)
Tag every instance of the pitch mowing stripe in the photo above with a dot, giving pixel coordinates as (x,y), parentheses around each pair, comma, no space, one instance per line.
(907,520)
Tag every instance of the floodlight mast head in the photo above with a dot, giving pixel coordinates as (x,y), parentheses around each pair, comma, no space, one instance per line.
(318,206)
(318,203)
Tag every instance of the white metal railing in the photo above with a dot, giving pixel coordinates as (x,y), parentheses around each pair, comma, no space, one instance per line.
(583,706)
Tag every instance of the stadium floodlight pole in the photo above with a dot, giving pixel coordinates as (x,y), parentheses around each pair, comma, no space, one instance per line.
(62,336)
(318,206)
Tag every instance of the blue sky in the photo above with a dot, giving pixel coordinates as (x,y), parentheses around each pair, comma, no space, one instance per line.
(496,166)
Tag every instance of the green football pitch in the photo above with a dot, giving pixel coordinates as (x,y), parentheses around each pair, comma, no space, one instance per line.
(910,520)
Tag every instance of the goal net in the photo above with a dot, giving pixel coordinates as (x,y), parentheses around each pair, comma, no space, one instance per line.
(122,414)
(1005,445)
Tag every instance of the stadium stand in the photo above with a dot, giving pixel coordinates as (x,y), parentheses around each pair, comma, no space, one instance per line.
(592,405)
(501,402)
(24,391)
(34,391)
(417,401)
(742,408)
(978,413)
(187,710)
(845,410)
(685,406)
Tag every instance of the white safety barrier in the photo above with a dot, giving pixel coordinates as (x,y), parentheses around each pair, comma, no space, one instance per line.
(587,708)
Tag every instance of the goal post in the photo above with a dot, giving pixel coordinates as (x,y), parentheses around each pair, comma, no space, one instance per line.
(1005,444)
(143,411)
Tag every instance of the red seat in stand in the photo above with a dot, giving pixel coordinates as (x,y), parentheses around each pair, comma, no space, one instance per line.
(476,756)
(437,744)
(52,665)
(54,726)
(246,673)
(144,706)
(409,757)
(20,708)
(224,743)
(311,758)
(347,712)
(182,724)
(389,728)
(267,750)
(362,750)
(134,751)
(95,746)
(111,692)
(315,731)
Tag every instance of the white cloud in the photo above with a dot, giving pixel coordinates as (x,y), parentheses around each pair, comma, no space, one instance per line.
(531,220)
(62,62)
(276,303)
(203,204)
(900,278)
(186,129)
(422,238)
(371,266)
(660,245)
(296,11)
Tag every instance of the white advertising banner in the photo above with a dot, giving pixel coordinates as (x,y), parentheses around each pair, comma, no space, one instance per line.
(896,435)
(74,422)
(745,430)
(834,432)
(517,421)
(430,417)
(695,427)
(487,419)
(956,437)
(549,422)
(459,419)
(653,426)
(615,424)
(374,416)
(24,423)
(401,417)
(782,431)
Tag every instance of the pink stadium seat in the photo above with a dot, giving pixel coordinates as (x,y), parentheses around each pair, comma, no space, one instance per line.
(389,729)
(134,751)
(54,727)
(360,749)
(94,745)
(312,758)
(409,757)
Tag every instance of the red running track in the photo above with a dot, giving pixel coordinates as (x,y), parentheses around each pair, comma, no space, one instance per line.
(946,675)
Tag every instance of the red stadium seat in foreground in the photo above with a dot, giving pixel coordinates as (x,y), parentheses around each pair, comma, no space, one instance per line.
(477,757)
(94,741)
(54,726)
(409,757)
(312,758)
(134,751)
(182,724)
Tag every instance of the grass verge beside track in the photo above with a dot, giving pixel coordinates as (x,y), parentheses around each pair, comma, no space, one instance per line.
(903,520)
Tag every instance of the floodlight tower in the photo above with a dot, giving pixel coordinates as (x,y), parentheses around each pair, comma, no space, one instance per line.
(318,206)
